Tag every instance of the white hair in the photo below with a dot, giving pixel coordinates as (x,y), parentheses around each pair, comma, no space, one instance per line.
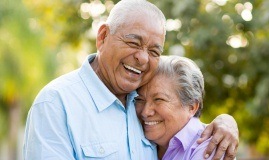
(189,80)
(125,9)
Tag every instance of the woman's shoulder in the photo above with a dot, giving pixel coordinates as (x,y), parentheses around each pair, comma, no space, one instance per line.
(197,152)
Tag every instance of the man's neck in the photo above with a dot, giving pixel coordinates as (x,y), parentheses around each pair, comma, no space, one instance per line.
(95,67)
(122,98)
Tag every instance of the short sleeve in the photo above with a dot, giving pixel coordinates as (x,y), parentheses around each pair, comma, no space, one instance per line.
(198,153)
(46,135)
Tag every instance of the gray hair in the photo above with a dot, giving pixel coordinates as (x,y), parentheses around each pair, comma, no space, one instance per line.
(188,79)
(124,8)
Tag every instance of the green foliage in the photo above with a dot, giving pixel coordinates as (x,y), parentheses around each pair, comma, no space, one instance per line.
(24,62)
(236,78)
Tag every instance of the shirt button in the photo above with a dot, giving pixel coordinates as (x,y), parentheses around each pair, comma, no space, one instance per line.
(101,150)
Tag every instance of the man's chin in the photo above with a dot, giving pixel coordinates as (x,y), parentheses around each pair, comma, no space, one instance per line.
(130,87)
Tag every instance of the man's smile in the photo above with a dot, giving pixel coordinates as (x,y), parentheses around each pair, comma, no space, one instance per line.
(132,69)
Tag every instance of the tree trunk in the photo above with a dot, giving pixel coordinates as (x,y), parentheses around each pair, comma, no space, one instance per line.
(14,125)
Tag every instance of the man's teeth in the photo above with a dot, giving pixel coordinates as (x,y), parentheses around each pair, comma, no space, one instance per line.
(131,68)
(152,123)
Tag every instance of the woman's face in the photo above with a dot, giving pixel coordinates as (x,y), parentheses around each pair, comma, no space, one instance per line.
(160,111)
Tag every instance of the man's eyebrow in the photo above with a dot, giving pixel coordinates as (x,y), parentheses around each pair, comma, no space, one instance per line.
(133,36)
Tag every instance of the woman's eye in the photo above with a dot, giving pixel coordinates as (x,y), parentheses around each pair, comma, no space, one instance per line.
(159,99)
(137,99)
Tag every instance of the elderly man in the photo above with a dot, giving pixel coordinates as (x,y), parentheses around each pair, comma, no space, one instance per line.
(89,113)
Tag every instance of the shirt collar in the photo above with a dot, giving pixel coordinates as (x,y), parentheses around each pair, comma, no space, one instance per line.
(100,94)
(130,97)
(192,129)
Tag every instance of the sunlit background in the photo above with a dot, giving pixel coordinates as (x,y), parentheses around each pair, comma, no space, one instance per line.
(228,39)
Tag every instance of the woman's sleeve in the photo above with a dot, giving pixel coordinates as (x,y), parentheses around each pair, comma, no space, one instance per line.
(198,153)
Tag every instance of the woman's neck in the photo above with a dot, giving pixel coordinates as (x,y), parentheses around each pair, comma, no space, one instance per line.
(161,151)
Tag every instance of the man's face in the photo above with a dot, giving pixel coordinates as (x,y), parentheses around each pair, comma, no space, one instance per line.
(129,58)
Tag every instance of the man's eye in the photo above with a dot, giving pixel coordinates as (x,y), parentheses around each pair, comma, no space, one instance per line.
(155,53)
(132,44)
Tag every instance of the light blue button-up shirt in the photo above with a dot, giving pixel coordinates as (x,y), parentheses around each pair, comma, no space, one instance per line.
(77,117)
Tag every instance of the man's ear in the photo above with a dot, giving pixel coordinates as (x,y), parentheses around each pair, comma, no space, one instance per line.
(101,35)
(193,109)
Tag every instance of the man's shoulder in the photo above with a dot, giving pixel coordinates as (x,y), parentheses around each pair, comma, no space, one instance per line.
(60,84)
(64,80)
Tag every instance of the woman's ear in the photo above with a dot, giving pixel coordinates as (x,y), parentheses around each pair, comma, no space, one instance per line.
(193,109)
(101,35)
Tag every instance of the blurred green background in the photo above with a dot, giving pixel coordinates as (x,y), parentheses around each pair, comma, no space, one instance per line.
(228,39)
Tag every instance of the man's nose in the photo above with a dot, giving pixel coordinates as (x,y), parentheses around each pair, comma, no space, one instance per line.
(141,57)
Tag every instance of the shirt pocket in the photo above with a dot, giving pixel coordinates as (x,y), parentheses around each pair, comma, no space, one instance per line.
(104,151)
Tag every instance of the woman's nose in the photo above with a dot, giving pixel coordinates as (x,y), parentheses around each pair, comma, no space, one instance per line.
(148,111)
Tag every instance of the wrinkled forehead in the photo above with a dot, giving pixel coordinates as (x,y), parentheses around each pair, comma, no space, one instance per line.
(147,33)
(158,82)
(144,20)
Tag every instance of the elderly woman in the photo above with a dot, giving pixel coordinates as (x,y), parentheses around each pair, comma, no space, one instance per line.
(169,107)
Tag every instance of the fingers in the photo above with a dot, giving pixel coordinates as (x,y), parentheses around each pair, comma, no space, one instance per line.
(231,152)
(225,145)
(225,138)
(214,142)
(206,134)
(221,149)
